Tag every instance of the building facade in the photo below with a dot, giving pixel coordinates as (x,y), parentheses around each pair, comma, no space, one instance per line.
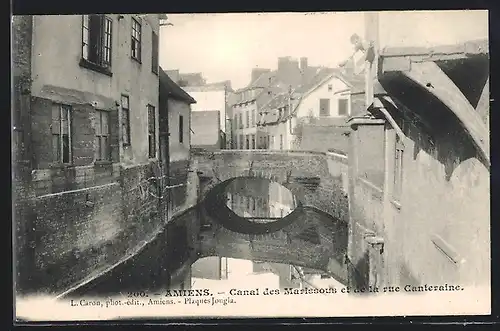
(420,170)
(211,97)
(205,130)
(86,114)
(176,107)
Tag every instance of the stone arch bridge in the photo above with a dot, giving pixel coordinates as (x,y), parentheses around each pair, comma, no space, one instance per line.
(313,235)
(316,179)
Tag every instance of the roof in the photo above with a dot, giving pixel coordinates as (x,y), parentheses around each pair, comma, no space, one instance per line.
(320,75)
(219,86)
(173,90)
(263,80)
(271,114)
(270,111)
(441,52)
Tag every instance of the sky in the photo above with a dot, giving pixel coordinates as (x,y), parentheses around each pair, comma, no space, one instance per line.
(227,46)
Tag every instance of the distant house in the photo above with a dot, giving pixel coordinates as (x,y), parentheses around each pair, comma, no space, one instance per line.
(191,79)
(205,130)
(249,108)
(292,119)
(213,97)
(175,114)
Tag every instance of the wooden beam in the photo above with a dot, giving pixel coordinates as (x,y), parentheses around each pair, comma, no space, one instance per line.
(380,106)
(431,78)
(391,64)
(483,105)
(405,110)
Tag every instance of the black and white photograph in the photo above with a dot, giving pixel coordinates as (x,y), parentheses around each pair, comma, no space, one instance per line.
(237,165)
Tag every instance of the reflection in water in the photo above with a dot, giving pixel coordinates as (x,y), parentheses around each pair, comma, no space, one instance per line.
(309,250)
(226,273)
(259,198)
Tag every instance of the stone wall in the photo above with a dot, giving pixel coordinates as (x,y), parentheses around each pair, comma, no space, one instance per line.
(75,235)
(323,138)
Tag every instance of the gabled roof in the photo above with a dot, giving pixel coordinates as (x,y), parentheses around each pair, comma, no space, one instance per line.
(169,88)
(316,79)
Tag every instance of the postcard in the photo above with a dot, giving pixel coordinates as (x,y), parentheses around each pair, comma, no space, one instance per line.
(323,164)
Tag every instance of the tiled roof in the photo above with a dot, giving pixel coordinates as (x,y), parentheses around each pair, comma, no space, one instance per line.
(270,112)
(321,74)
(263,80)
(173,90)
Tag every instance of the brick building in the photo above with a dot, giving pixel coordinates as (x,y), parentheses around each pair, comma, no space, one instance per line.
(86,153)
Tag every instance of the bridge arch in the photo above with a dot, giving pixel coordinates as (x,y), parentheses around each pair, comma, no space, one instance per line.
(314,178)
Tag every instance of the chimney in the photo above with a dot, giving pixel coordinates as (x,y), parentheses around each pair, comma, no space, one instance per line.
(174,75)
(256,72)
(283,63)
(303,64)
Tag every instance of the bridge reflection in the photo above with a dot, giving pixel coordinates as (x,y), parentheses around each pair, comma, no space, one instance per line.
(239,221)
(259,199)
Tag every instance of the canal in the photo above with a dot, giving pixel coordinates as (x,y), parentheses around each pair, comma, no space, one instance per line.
(193,252)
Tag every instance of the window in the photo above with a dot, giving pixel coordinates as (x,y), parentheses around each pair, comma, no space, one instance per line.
(235,121)
(248,119)
(343,107)
(181,129)
(125,121)
(281,141)
(330,88)
(241,141)
(154,55)
(96,39)
(324,107)
(61,133)
(152,131)
(253,141)
(247,142)
(241,121)
(136,40)
(253,117)
(398,169)
(102,136)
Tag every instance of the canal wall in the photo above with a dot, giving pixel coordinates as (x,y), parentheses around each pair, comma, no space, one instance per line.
(73,237)
(75,234)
